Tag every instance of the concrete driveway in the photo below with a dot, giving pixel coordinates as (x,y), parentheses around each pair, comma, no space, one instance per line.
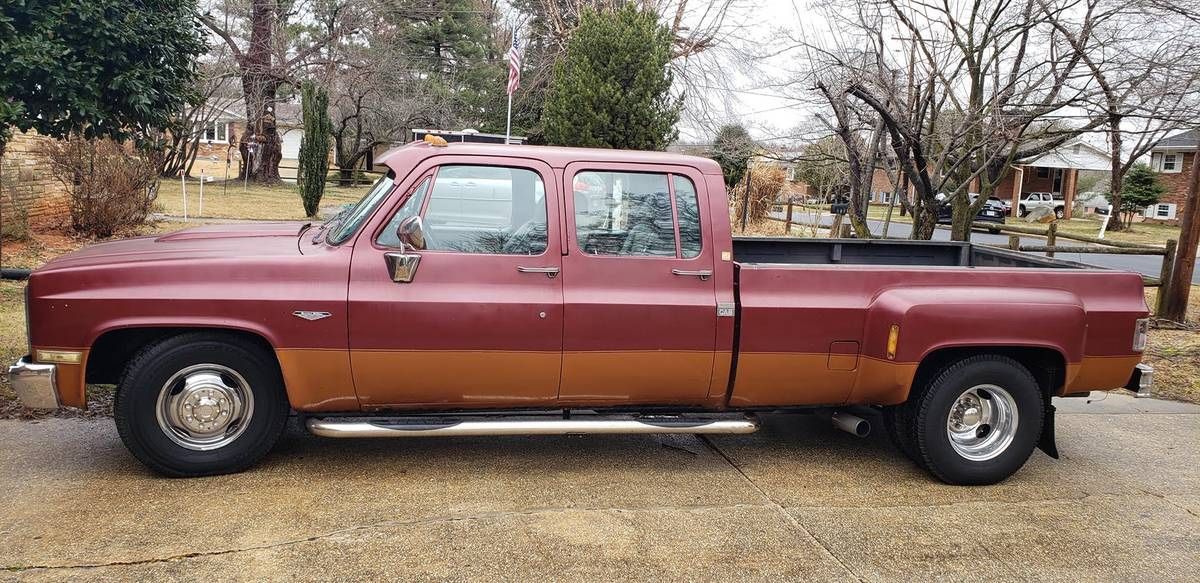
(796,501)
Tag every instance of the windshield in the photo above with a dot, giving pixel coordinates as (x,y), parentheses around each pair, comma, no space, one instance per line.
(346,222)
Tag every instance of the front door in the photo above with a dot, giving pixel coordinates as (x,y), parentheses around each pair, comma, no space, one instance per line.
(638,288)
(480,324)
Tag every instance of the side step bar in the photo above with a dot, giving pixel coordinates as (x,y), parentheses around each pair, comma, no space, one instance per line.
(524,425)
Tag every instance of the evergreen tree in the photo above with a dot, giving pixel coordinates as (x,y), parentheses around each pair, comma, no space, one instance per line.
(97,68)
(612,90)
(732,149)
(314,146)
(1139,189)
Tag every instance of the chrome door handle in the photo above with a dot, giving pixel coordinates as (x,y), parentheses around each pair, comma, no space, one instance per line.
(549,271)
(703,274)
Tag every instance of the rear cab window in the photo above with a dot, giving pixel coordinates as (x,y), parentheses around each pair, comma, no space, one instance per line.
(636,214)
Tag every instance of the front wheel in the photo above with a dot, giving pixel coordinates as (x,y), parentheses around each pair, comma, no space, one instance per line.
(200,404)
(977,421)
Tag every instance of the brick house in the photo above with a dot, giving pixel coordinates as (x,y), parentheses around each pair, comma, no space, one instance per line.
(1172,160)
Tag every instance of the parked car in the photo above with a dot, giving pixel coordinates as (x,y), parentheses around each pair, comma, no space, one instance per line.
(1048,200)
(992,211)
(430,310)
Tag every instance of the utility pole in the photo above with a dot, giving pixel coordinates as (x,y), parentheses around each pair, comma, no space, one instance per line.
(1175,308)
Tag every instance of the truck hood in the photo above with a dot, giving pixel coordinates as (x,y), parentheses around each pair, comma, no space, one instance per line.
(197,243)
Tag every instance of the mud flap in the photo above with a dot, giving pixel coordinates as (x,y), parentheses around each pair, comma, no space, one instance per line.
(1046,443)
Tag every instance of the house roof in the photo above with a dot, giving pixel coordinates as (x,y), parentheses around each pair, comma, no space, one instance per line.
(1077,154)
(1182,141)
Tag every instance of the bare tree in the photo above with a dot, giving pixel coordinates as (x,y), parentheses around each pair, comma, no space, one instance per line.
(962,91)
(273,42)
(1141,73)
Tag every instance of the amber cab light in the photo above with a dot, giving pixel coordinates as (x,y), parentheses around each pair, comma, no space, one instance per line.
(893,341)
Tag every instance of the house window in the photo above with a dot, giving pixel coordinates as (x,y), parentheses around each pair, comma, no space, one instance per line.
(1164,211)
(215,131)
(1172,162)
(1043,172)
(885,197)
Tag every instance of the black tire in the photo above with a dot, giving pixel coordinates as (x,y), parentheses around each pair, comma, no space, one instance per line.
(135,406)
(923,419)
(1022,212)
(1059,212)
(894,422)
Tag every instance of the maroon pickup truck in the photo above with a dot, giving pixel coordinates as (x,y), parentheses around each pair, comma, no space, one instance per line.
(497,290)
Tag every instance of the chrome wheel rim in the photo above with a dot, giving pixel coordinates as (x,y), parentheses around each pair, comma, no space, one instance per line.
(982,422)
(204,407)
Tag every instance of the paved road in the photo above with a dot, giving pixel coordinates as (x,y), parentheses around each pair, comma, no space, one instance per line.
(796,501)
(1145,264)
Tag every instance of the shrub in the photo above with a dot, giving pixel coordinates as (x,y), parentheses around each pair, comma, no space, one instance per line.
(766,180)
(109,187)
(314,146)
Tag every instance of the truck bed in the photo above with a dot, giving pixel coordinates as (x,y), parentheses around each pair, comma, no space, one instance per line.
(899,252)
(798,311)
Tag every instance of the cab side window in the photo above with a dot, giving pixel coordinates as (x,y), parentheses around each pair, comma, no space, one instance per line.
(479,209)
(633,214)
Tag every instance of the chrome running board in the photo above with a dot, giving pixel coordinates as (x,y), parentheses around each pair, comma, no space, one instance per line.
(474,425)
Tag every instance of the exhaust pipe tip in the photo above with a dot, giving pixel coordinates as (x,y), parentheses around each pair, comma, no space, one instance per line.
(850,423)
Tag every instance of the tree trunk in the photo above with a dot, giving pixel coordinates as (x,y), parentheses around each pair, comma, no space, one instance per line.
(924,223)
(1180,286)
(260,147)
(1114,198)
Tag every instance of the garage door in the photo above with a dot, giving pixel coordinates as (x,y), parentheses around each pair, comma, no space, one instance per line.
(291,143)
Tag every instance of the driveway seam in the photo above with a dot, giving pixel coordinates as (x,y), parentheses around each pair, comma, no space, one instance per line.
(787,517)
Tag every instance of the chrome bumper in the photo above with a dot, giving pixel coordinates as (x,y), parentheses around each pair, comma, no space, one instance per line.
(34,384)
(1141,380)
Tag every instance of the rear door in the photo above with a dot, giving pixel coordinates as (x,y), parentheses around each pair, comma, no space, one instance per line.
(638,292)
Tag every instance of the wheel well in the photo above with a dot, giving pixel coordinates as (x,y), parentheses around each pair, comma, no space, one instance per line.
(1045,364)
(113,350)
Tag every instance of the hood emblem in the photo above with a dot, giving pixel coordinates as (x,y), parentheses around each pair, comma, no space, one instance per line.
(310,315)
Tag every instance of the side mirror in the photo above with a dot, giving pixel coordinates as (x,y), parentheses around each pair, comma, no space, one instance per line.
(411,233)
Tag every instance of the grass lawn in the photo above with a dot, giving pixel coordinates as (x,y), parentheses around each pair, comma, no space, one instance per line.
(278,202)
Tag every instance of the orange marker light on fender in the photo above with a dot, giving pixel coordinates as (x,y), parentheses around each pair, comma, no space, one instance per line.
(893,340)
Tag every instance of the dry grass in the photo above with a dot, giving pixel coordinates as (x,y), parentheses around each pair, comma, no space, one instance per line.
(1175,353)
(278,202)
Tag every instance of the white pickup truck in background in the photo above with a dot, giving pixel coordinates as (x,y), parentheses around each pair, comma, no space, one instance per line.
(1034,201)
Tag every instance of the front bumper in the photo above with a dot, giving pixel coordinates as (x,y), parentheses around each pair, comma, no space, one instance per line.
(34,384)
(1141,380)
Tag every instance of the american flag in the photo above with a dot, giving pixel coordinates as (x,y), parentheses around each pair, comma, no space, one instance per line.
(514,65)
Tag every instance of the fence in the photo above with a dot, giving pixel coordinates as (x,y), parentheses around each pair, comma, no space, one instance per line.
(1095,245)
(1050,247)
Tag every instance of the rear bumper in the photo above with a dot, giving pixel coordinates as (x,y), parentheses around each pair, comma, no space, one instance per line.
(34,384)
(1142,380)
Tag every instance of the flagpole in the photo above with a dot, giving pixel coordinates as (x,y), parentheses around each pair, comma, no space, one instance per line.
(508,126)
(508,123)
